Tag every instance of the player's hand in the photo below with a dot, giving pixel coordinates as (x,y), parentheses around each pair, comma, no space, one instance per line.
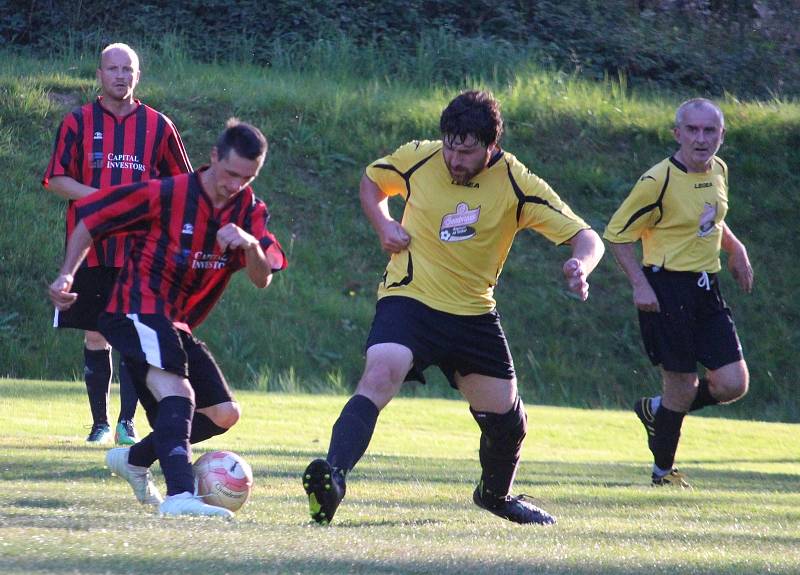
(394,238)
(740,268)
(59,292)
(231,237)
(576,278)
(644,298)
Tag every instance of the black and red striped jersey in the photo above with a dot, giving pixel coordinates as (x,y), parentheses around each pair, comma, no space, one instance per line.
(99,149)
(175,266)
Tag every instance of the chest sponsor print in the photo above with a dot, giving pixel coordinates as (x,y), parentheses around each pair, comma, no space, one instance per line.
(707,223)
(457,227)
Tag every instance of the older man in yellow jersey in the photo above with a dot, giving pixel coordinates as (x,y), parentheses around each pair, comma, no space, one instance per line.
(677,210)
(465,200)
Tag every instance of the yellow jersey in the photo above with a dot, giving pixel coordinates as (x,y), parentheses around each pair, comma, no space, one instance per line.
(677,215)
(461,234)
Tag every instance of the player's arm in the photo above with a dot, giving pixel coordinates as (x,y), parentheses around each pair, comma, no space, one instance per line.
(587,249)
(644,298)
(78,245)
(68,188)
(738,261)
(375,204)
(257,263)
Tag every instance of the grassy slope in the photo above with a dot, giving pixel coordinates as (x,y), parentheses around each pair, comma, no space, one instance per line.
(590,141)
(408,508)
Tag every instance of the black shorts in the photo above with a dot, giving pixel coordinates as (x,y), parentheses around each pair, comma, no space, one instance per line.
(150,339)
(93,286)
(694,324)
(454,343)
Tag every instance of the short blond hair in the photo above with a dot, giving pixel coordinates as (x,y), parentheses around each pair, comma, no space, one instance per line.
(125,48)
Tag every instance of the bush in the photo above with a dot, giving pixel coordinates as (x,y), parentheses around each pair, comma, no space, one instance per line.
(701,47)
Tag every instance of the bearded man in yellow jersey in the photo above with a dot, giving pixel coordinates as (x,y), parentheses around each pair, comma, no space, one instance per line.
(465,200)
(677,210)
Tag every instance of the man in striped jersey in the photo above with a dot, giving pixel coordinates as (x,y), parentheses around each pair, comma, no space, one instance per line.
(677,209)
(114,140)
(194,231)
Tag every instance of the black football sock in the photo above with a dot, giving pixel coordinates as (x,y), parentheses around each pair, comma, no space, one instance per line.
(127,393)
(502,435)
(171,433)
(97,372)
(667,433)
(703,397)
(352,432)
(143,453)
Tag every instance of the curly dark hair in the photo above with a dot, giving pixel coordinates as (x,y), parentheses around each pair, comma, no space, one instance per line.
(475,113)
(244,138)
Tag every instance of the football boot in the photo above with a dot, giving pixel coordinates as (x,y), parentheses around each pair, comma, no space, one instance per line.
(325,487)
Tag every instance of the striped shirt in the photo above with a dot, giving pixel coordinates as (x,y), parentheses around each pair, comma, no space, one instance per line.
(98,149)
(175,266)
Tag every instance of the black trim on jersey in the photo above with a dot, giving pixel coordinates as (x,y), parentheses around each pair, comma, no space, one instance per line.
(657,204)
(407,174)
(522,199)
(678,164)
(495,158)
(406,280)
(724,169)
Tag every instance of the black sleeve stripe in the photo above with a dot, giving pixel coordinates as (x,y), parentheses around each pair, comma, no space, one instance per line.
(650,207)
(522,199)
(407,174)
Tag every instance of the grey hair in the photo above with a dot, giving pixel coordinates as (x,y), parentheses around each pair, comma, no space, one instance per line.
(698,103)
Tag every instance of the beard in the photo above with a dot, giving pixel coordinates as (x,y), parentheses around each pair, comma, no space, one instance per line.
(463,176)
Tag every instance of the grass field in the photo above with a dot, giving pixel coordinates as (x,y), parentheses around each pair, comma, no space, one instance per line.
(408,508)
(590,140)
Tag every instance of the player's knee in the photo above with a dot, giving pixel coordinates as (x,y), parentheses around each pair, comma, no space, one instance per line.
(94,340)
(380,384)
(503,433)
(228,415)
(730,383)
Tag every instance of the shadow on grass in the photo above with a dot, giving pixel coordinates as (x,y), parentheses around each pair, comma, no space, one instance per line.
(48,463)
(449,564)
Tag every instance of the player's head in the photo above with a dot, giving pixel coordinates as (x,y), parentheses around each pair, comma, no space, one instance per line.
(237,157)
(244,139)
(699,131)
(118,72)
(471,127)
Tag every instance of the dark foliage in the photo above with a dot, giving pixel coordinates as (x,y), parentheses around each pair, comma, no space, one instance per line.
(710,46)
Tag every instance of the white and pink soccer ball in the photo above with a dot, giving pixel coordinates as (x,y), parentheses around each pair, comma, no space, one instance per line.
(223,478)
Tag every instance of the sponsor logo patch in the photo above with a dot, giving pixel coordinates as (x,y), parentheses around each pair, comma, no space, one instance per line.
(707,224)
(457,227)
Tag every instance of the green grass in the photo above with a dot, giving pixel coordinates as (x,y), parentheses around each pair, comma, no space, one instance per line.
(408,508)
(327,120)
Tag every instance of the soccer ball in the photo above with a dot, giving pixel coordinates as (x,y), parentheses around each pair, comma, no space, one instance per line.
(223,478)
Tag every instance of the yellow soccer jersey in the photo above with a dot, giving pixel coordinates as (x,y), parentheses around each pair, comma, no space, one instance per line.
(678,216)
(461,234)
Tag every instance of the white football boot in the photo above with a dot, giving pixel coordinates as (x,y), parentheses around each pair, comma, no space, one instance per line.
(139,477)
(189,504)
